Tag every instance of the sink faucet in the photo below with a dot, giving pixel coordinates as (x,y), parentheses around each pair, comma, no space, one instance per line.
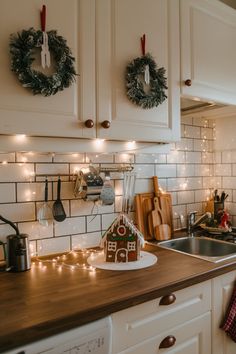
(192,223)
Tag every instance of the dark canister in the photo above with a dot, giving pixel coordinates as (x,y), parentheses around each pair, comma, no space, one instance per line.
(18,259)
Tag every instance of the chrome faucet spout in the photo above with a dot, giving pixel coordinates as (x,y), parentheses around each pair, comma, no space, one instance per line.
(192,223)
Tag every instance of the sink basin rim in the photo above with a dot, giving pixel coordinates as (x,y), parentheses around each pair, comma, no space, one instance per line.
(214,259)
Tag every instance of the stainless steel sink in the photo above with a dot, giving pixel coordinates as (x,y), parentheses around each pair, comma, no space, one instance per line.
(202,247)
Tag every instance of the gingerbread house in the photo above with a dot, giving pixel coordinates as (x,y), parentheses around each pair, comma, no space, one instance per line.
(122,241)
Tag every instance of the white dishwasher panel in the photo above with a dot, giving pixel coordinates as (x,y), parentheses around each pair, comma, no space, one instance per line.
(93,338)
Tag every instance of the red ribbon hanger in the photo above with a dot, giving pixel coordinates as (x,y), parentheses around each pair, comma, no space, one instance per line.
(143,43)
(43,18)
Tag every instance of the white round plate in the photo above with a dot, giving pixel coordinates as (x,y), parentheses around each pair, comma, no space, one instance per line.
(146,260)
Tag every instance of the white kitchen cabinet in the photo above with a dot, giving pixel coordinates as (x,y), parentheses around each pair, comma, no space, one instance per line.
(192,337)
(208,51)
(145,326)
(104,37)
(64,113)
(222,288)
(119,26)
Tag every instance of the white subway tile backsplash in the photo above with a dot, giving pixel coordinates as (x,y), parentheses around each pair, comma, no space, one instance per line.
(7,157)
(185,144)
(193,157)
(179,210)
(211,124)
(185,170)
(223,169)
(203,195)
(18,211)
(70,226)
(150,158)
(53,245)
(34,157)
(7,193)
(67,190)
(200,122)
(93,223)
(211,182)
(119,187)
(5,230)
(206,133)
(187,120)
(118,204)
(185,197)
(27,192)
(19,172)
(195,207)
(124,158)
(144,171)
(54,168)
(35,230)
(180,184)
(176,157)
(204,170)
(101,158)
(207,157)
(71,158)
(143,185)
(192,132)
(229,182)
(165,170)
(227,157)
(107,220)
(80,207)
(33,248)
(91,239)
(202,145)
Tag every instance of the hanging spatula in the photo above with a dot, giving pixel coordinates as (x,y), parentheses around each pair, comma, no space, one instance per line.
(57,208)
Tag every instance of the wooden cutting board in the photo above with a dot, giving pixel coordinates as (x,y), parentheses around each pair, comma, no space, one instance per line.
(144,203)
(144,206)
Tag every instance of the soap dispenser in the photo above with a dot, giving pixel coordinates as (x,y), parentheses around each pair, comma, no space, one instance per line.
(107,195)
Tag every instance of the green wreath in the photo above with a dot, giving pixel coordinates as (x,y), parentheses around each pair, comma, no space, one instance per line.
(21,48)
(135,86)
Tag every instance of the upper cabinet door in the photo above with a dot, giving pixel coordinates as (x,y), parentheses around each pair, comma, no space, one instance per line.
(208,50)
(63,114)
(119,26)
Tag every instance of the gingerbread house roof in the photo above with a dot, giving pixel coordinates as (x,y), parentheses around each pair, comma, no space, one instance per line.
(123,219)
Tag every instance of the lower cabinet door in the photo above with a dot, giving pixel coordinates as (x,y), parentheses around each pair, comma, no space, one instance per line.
(193,337)
(222,288)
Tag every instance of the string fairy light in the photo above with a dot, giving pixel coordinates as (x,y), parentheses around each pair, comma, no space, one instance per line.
(62,261)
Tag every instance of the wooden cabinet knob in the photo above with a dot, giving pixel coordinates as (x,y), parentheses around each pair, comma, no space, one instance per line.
(106,124)
(188,82)
(168,299)
(89,123)
(167,342)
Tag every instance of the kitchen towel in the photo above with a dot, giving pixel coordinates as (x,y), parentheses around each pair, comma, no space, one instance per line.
(229,322)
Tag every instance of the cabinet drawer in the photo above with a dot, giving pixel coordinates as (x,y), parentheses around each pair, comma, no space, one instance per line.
(192,337)
(136,324)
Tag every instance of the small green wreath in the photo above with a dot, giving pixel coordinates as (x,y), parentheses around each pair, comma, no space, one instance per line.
(21,47)
(155,94)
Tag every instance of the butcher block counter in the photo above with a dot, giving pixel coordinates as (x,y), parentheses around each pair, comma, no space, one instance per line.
(45,300)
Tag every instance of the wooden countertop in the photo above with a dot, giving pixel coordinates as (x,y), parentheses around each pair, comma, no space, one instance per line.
(42,302)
